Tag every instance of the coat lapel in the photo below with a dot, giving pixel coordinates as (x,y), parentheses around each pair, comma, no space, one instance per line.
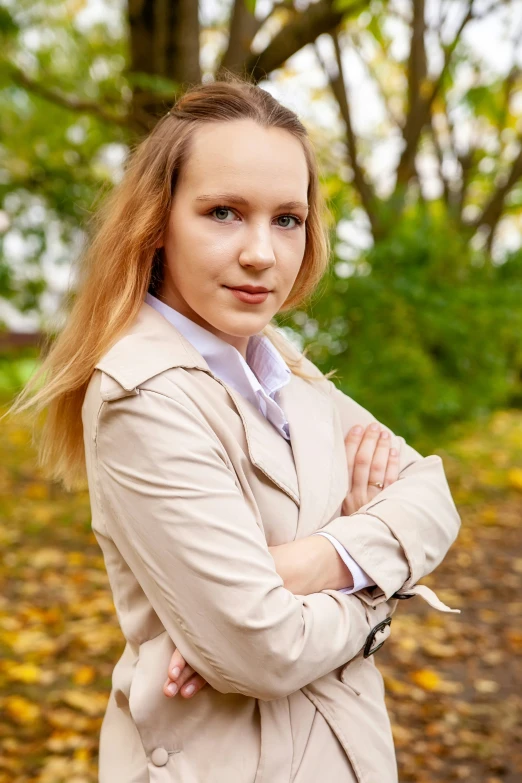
(267,449)
(312,420)
(306,469)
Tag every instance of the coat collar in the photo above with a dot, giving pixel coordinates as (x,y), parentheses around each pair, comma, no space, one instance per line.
(152,345)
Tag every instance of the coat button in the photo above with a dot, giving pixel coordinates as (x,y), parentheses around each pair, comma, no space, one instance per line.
(159,757)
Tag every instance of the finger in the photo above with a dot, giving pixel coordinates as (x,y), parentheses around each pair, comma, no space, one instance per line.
(352,442)
(171,687)
(392,468)
(178,662)
(195,684)
(380,458)
(363,458)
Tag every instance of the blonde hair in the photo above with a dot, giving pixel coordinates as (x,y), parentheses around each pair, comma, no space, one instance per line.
(120,263)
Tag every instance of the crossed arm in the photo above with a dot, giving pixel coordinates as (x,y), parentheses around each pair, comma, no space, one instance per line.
(173,523)
(311,564)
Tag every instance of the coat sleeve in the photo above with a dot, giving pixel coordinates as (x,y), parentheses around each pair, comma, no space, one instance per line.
(173,506)
(407,529)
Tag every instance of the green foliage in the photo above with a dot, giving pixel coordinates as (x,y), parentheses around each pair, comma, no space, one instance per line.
(424,333)
(52,157)
(16,367)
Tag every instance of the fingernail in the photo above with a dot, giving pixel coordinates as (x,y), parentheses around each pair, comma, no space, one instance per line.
(174,673)
(385,434)
(189,690)
(374,426)
(172,688)
(393,452)
(356,430)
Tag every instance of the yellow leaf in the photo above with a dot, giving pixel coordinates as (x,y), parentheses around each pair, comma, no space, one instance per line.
(24,672)
(33,641)
(21,710)
(438,650)
(84,675)
(75,558)
(426,678)
(407,643)
(515,640)
(396,686)
(43,514)
(486,686)
(47,557)
(90,703)
(514,477)
(489,515)
(37,491)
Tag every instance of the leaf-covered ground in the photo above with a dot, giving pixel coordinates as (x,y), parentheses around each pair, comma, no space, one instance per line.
(454,682)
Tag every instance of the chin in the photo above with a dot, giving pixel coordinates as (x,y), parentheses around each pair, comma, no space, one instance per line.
(244,329)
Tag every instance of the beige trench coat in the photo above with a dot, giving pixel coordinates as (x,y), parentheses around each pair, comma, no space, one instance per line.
(189,485)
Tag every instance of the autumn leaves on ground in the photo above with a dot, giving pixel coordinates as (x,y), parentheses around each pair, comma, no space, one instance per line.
(454,682)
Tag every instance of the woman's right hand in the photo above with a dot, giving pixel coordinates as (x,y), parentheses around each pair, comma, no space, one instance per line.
(187,681)
(370,458)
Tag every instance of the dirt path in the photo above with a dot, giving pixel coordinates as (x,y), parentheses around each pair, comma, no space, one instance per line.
(454,682)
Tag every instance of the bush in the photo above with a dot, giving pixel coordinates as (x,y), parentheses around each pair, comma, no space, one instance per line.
(426,332)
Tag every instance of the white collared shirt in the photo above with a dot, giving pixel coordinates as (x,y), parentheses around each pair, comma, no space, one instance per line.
(259,380)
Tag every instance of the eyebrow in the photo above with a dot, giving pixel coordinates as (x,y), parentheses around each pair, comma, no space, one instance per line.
(240,200)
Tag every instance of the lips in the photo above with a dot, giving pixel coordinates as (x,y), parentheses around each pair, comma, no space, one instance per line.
(250,289)
(248,297)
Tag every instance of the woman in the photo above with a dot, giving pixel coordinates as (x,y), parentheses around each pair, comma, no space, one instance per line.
(247,529)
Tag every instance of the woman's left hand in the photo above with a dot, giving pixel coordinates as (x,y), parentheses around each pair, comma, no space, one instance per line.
(186,679)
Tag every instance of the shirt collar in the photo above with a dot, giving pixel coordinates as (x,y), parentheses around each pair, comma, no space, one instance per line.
(265,369)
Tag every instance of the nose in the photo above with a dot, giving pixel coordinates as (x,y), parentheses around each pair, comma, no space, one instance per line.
(257,250)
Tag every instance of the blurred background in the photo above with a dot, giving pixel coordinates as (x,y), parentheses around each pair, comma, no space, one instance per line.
(415,109)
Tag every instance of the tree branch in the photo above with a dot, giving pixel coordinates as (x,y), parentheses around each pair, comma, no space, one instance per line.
(340,91)
(440,158)
(73,103)
(492,211)
(303,29)
(417,63)
(243,28)
(373,74)
(421,96)
(289,4)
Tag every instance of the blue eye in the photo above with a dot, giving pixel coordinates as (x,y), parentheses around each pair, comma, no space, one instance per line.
(224,208)
(221,209)
(298,221)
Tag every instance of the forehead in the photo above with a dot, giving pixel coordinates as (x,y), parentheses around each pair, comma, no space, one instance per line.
(242,153)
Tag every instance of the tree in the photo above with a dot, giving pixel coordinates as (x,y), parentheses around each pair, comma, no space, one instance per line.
(74,93)
(77,91)
(114,78)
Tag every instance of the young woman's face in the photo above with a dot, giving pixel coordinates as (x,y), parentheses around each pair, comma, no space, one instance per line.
(238,218)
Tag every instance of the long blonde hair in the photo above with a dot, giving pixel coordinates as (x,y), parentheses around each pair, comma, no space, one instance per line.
(120,263)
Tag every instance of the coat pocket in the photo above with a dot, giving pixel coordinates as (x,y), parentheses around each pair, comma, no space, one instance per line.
(210,737)
(150,709)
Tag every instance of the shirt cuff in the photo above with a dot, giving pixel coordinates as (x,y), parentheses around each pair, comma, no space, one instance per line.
(360,577)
